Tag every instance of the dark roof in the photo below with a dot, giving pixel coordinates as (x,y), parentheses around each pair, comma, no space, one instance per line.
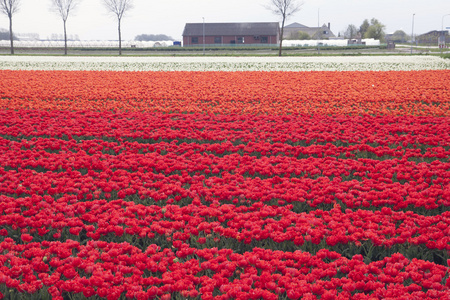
(435,32)
(196,29)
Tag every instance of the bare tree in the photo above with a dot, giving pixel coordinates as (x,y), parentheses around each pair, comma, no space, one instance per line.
(118,8)
(63,8)
(9,8)
(284,9)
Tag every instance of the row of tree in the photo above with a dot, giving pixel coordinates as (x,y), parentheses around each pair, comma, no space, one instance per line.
(4,34)
(373,29)
(64,8)
(368,30)
(282,8)
(152,37)
(286,8)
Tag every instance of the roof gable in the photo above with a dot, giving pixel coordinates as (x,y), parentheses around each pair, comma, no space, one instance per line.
(295,25)
(435,32)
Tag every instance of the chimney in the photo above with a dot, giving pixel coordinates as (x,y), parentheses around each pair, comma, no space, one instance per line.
(328,25)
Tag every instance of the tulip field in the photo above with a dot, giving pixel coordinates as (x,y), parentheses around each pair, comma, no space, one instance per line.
(226,179)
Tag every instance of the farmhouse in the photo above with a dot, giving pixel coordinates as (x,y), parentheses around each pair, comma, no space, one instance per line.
(433,37)
(296,31)
(230,33)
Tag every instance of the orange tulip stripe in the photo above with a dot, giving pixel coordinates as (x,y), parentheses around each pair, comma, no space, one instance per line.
(419,93)
(224,185)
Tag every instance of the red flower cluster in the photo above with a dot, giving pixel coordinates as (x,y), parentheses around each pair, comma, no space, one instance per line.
(110,270)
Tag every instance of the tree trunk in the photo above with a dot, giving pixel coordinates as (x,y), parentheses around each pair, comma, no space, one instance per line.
(11,33)
(120,40)
(281,35)
(65,38)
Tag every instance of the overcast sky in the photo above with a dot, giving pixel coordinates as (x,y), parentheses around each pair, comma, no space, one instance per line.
(90,21)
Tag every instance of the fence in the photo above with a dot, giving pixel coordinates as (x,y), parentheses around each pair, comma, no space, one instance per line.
(142,44)
(85,44)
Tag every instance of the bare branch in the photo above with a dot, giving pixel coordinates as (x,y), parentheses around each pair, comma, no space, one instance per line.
(284,9)
(9,7)
(64,7)
(118,7)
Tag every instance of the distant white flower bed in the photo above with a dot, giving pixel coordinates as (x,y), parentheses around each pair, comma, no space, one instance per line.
(124,63)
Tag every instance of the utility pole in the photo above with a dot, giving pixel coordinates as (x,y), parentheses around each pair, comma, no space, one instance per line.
(203,35)
(318,35)
(442,43)
(412,33)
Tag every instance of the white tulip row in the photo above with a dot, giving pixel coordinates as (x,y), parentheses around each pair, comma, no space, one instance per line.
(127,63)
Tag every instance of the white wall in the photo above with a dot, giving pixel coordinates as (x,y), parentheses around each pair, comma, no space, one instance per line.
(290,43)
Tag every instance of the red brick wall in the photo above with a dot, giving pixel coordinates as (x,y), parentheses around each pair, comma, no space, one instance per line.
(226,40)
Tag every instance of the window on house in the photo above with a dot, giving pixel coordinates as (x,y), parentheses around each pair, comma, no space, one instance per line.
(264,39)
(194,40)
(325,32)
(240,40)
(218,40)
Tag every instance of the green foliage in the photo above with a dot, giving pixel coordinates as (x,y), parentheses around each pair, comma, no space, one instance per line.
(375,30)
(303,36)
(363,28)
(351,32)
(399,36)
(153,37)
(299,35)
